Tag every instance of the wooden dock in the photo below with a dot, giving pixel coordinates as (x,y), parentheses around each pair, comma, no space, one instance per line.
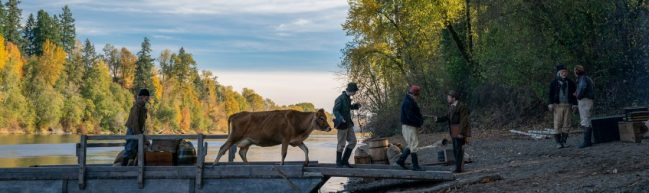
(202,177)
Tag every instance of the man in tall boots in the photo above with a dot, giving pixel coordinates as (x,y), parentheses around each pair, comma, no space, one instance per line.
(411,121)
(343,122)
(562,103)
(135,125)
(459,127)
(585,95)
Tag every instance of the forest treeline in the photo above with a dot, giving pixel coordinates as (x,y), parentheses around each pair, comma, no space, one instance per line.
(500,54)
(52,82)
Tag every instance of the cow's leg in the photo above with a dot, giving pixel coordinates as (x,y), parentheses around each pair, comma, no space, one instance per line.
(244,145)
(284,149)
(306,153)
(224,148)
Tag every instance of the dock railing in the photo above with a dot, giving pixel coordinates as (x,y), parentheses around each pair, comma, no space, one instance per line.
(201,152)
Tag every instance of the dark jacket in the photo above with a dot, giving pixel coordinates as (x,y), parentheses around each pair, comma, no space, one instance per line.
(585,87)
(457,115)
(410,112)
(137,117)
(555,87)
(342,111)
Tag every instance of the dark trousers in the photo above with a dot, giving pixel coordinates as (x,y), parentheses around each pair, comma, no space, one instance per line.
(458,151)
(130,149)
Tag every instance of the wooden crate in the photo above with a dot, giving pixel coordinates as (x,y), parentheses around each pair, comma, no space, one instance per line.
(631,131)
(158,158)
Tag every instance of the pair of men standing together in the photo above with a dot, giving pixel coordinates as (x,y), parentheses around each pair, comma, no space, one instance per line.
(565,97)
(411,120)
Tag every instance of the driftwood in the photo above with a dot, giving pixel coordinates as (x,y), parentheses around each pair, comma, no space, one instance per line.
(446,187)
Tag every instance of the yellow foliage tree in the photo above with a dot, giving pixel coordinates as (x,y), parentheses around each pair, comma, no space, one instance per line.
(14,56)
(51,63)
(3,53)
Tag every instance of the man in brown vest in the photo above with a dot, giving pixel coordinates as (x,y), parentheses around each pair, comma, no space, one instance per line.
(459,127)
(135,125)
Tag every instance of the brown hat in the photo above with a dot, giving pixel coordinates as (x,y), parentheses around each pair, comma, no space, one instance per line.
(453,94)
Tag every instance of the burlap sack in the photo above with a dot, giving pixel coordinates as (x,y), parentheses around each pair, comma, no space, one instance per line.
(393,154)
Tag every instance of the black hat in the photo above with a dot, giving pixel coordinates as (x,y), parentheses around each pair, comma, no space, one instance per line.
(352,87)
(143,92)
(561,67)
(454,94)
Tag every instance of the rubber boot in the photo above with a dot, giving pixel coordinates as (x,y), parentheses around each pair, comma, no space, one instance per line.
(338,160)
(415,162)
(559,140)
(345,159)
(564,139)
(402,159)
(588,132)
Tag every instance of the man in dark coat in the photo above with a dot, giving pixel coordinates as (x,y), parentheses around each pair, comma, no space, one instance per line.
(459,127)
(562,103)
(135,125)
(411,122)
(343,122)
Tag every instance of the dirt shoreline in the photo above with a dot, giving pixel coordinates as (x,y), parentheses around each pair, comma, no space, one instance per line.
(528,165)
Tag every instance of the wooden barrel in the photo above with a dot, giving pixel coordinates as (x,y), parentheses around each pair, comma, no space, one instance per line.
(362,160)
(383,162)
(378,154)
(376,143)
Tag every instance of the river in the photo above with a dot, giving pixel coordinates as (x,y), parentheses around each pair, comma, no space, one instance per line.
(29,150)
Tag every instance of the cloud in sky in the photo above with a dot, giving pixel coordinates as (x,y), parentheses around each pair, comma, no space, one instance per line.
(288,87)
(283,38)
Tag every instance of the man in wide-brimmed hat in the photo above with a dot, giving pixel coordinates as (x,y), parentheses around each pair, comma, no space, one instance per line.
(343,122)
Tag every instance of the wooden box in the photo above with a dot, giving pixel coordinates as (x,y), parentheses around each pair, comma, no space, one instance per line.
(158,158)
(605,129)
(631,131)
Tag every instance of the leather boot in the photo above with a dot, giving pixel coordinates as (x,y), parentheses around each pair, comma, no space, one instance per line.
(558,140)
(588,132)
(402,160)
(415,162)
(338,160)
(345,159)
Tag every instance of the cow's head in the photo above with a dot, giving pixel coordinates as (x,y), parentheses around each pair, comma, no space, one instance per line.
(321,121)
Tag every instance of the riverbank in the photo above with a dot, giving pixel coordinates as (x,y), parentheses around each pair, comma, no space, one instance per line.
(527,165)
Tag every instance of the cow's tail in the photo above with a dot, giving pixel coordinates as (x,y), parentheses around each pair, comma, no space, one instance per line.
(229,126)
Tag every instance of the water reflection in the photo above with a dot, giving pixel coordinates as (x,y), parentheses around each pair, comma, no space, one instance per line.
(29,150)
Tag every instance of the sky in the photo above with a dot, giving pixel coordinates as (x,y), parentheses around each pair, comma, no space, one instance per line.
(286,50)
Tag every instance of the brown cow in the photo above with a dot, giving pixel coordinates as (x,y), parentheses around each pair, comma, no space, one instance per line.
(269,128)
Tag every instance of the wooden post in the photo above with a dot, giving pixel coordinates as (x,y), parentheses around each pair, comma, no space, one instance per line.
(200,161)
(82,162)
(140,160)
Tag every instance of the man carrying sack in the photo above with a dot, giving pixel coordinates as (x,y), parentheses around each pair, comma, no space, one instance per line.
(343,122)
